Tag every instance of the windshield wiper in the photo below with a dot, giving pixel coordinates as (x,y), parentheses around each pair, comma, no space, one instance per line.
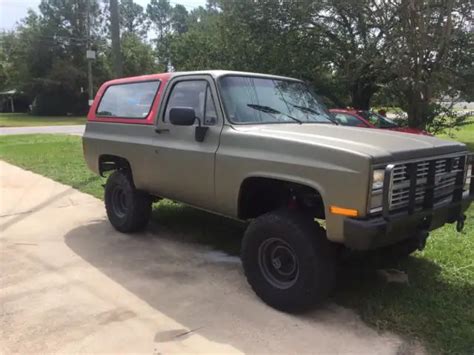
(272,111)
(313,111)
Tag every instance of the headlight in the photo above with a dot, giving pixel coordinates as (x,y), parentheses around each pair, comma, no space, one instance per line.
(376,193)
(377,179)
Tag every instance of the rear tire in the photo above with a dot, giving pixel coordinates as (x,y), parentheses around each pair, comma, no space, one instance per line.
(288,261)
(128,209)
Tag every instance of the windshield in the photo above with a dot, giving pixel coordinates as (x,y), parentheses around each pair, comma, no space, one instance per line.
(260,100)
(377,120)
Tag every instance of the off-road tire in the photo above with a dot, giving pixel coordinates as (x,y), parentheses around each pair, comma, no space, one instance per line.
(315,255)
(128,209)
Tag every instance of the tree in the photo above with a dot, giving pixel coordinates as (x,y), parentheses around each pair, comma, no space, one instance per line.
(179,19)
(57,94)
(116,45)
(334,44)
(65,23)
(429,55)
(12,66)
(138,56)
(408,53)
(132,18)
(460,65)
(356,36)
(277,37)
(51,42)
(159,12)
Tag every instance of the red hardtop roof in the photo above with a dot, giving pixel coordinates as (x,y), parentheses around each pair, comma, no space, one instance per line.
(160,76)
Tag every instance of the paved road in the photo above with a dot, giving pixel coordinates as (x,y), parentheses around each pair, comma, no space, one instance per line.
(75,130)
(70,283)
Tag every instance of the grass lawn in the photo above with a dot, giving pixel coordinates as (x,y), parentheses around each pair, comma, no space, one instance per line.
(25,120)
(464,134)
(437,307)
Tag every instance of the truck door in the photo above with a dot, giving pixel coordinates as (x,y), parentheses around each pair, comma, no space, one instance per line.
(182,167)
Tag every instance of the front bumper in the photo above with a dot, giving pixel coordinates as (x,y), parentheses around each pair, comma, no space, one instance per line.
(372,233)
(390,228)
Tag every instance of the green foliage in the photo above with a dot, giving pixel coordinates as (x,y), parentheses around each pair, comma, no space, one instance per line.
(427,55)
(355,53)
(179,19)
(46,56)
(349,50)
(200,47)
(132,18)
(138,57)
(159,12)
(441,118)
(167,21)
(58,94)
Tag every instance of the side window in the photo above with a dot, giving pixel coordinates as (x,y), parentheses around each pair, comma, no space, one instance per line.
(210,114)
(348,120)
(131,100)
(190,93)
(195,94)
(374,120)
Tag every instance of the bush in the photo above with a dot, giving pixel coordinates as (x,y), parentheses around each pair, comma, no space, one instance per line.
(60,93)
(57,104)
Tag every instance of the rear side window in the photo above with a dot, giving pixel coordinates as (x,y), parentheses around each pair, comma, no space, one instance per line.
(131,100)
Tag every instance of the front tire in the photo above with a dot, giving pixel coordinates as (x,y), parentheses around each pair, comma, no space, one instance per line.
(128,209)
(288,260)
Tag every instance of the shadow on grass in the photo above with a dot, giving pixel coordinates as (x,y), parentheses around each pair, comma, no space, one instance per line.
(438,313)
(428,308)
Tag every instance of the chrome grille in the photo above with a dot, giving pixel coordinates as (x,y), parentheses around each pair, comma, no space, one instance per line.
(446,171)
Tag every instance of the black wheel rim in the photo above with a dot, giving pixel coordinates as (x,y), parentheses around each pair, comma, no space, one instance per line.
(119,202)
(278,263)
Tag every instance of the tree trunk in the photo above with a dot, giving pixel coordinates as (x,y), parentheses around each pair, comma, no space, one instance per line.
(115,30)
(361,94)
(417,109)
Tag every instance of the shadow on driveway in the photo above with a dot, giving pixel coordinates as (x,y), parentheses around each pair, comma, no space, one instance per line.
(170,268)
(177,273)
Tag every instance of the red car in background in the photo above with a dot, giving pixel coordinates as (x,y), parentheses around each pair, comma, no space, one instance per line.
(369,119)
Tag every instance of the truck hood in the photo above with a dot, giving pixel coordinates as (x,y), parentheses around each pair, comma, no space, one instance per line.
(380,145)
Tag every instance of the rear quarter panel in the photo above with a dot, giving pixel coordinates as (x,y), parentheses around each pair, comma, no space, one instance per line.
(129,141)
(128,138)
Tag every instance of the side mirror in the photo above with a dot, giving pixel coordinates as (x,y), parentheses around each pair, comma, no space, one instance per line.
(182,116)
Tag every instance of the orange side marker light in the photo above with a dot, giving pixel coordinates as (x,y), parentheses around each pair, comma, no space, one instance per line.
(349,212)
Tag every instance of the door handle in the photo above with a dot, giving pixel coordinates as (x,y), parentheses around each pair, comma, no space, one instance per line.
(161,130)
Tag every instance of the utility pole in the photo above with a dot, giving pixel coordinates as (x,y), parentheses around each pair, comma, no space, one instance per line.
(115,30)
(90,55)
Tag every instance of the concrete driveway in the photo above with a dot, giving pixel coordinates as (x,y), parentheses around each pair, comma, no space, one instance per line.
(73,129)
(70,283)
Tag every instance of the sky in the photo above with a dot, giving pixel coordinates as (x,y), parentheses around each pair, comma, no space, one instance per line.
(11,11)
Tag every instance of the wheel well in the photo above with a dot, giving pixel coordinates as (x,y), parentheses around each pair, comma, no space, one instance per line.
(112,162)
(259,195)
